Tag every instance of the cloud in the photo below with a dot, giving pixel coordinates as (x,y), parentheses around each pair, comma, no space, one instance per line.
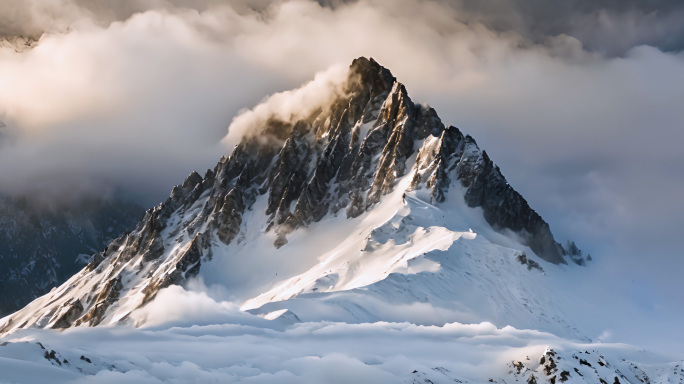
(133,106)
(176,307)
(304,353)
(611,27)
(289,105)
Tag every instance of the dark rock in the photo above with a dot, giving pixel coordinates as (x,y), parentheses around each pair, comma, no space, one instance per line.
(564,376)
(74,311)
(107,295)
(229,216)
(52,356)
(504,208)
(191,181)
(187,266)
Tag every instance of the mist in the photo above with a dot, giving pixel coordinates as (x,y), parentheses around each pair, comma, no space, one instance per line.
(579,102)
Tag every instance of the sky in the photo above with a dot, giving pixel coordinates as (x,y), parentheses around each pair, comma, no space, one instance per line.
(579,102)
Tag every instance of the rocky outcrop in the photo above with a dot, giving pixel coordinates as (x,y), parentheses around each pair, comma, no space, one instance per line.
(106,296)
(71,311)
(457,157)
(185,266)
(585,366)
(504,208)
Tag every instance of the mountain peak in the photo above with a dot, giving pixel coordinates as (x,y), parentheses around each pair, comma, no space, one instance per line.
(369,73)
(344,161)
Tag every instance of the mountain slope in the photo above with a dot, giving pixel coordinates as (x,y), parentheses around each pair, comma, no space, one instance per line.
(341,161)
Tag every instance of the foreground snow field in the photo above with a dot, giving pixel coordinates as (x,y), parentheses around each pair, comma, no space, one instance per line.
(253,351)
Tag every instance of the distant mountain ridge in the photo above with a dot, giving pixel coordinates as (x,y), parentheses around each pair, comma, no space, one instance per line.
(41,248)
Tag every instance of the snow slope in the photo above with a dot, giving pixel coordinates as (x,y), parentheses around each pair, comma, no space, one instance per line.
(427,265)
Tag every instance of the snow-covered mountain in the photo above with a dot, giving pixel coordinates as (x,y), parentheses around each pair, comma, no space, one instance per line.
(41,248)
(367,221)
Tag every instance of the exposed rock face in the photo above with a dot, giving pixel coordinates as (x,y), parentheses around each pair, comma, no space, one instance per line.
(339,160)
(72,311)
(107,296)
(454,156)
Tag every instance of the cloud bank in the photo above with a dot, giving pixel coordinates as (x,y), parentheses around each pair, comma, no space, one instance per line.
(578,102)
